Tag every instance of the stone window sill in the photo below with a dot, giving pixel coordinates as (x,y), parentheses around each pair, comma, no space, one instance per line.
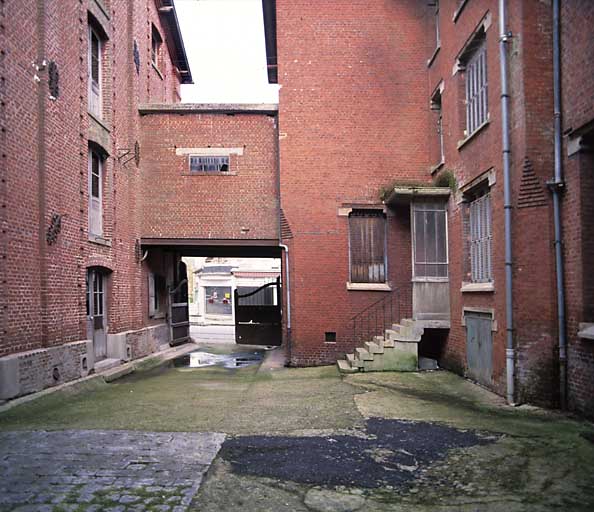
(157,316)
(99,240)
(465,141)
(100,122)
(226,173)
(477,287)
(586,331)
(436,167)
(369,287)
(433,55)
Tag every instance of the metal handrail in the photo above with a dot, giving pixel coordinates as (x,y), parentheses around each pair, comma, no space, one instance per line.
(377,317)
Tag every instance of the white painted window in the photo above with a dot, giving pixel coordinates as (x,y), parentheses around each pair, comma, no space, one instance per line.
(367,246)
(481,238)
(430,239)
(477,111)
(156,42)
(95,72)
(95,193)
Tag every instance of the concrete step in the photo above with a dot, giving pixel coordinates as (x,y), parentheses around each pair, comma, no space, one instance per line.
(106,364)
(405,336)
(378,339)
(345,367)
(363,355)
(353,361)
(374,348)
(118,372)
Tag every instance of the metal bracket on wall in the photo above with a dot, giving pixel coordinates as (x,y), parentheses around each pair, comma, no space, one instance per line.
(126,155)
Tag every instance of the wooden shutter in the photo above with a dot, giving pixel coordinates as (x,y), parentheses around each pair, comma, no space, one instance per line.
(367,246)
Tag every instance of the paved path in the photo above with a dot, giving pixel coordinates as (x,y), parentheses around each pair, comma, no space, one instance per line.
(98,470)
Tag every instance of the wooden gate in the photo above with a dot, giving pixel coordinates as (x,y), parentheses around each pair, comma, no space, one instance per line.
(179,314)
(258,324)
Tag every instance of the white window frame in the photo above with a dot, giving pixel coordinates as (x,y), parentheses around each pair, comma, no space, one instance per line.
(95,89)
(95,205)
(154,306)
(481,238)
(421,206)
(156,43)
(476,87)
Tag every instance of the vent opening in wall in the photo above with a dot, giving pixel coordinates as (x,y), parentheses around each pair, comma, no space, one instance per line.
(330,337)
(128,352)
(84,364)
(56,374)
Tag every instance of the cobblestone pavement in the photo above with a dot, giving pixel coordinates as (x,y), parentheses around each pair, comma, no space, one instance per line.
(95,470)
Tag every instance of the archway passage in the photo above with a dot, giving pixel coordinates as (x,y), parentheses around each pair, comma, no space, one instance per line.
(224,292)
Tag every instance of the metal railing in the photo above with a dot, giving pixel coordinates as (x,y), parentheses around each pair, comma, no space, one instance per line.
(378,316)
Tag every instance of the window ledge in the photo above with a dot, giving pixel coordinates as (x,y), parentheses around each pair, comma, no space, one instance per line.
(157,316)
(433,55)
(99,240)
(370,287)
(586,331)
(477,287)
(420,279)
(158,71)
(226,173)
(100,122)
(436,167)
(480,128)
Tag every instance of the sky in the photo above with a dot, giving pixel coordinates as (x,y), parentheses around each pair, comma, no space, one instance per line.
(224,41)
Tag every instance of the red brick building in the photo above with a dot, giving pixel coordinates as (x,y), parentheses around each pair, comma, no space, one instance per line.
(385,175)
(392,98)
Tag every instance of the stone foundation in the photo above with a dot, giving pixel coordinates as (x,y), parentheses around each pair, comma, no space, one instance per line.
(24,373)
(27,372)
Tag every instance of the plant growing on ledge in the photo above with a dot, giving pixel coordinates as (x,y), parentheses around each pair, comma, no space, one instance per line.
(446,178)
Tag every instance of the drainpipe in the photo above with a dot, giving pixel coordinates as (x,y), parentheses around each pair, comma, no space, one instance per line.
(557,185)
(504,37)
(288,275)
(280,240)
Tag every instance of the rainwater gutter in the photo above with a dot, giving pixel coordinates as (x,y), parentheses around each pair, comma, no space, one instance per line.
(556,186)
(504,37)
(280,241)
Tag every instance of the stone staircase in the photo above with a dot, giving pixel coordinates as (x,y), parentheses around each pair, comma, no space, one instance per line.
(397,351)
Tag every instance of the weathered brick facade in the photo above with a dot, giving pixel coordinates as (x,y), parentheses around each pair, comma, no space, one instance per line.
(46,136)
(367,88)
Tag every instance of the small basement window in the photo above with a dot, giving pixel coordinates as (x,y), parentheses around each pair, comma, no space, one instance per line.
(212,164)
(330,337)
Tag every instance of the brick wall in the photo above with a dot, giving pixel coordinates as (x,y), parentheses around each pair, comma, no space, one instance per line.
(577,57)
(45,165)
(241,203)
(353,118)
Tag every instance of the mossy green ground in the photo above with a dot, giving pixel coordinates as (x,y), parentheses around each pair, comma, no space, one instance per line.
(540,461)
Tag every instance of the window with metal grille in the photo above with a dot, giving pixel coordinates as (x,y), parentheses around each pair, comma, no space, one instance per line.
(477,111)
(209,164)
(95,193)
(435,105)
(94,72)
(367,243)
(430,239)
(480,239)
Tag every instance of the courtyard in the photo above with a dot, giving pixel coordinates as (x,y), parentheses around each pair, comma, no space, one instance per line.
(264,437)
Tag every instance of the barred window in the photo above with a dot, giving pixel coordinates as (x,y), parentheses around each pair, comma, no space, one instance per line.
(209,163)
(476,88)
(430,239)
(367,242)
(480,239)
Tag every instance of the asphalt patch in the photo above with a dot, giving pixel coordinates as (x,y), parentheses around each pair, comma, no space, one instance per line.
(387,453)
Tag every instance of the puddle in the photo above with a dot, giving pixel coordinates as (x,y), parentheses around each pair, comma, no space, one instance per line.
(231,361)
